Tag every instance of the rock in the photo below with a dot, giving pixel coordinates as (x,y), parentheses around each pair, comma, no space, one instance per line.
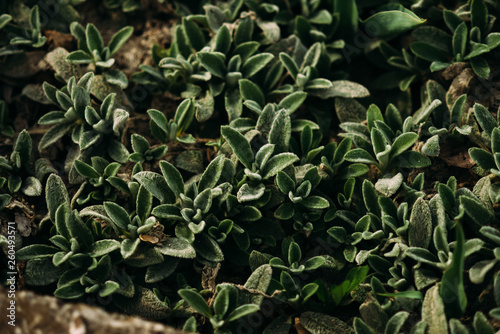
(49,315)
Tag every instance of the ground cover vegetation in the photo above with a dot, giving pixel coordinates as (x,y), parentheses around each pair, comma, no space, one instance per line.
(252,166)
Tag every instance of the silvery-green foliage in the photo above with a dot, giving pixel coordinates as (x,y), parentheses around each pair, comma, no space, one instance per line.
(268,114)
(489,161)
(28,33)
(293,258)
(258,167)
(474,44)
(97,187)
(307,78)
(173,130)
(442,122)
(178,69)
(226,307)
(384,146)
(81,254)
(190,207)
(301,205)
(231,65)
(88,127)
(23,176)
(334,164)
(92,51)
(143,152)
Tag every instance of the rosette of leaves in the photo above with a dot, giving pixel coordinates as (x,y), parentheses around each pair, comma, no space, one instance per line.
(96,187)
(143,152)
(474,44)
(308,76)
(295,293)
(404,67)
(281,113)
(446,261)
(308,146)
(487,160)
(144,244)
(178,69)
(87,125)
(333,295)
(451,126)
(434,317)
(173,130)
(81,260)
(377,143)
(480,269)
(27,32)
(364,234)
(227,306)
(233,65)
(293,256)
(258,167)
(300,205)
(91,50)
(437,120)
(334,164)
(5,128)
(21,170)
(383,234)
(5,47)
(315,22)
(189,209)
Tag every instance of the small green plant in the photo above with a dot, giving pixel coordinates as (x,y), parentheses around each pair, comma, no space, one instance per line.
(336,293)
(92,51)
(87,125)
(225,307)
(259,167)
(24,176)
(301,206)
(31,35)
(173,130)
(473,45)
(293,258)
(143,152)
(96,187)
(380,145)
(307,77)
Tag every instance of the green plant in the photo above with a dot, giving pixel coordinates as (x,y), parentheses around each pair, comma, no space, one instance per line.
(24,175)
(31,35)
(488,161)
(225,307)
(88,126)
(380,145)
(231,67)
(92,51)
(97,186)
(260,166)
(293,256)
(81,259)
(143,152)
(472,44)
(307,77)
(171,130)
(302,207)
